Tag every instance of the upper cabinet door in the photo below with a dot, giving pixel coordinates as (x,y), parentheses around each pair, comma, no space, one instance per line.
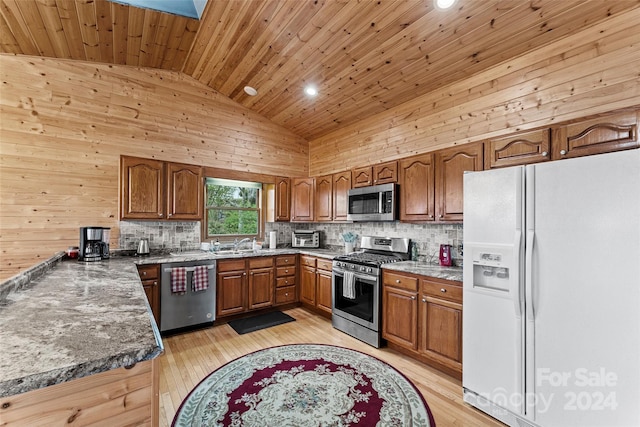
(518,149)
(185,192)
(362,177)
(595,136)
(385,173)
(302,200)
(341,187)
(450,165)
(417,196)
(324,198)
(283,198)
(141,188)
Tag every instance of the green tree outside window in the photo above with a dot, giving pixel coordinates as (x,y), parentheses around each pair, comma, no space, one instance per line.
(232,208)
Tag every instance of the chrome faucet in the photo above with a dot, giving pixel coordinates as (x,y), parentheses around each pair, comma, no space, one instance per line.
(237,244)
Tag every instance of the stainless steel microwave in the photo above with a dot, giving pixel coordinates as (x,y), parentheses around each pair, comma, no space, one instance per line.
(375,203)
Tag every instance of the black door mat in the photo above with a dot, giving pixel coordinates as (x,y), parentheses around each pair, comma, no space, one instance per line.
(261,321)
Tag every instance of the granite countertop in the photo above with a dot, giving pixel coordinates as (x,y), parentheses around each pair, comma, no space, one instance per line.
(423,269)
(196,255)
(72,319)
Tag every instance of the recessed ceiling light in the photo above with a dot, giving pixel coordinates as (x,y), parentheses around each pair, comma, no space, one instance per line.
(443,4)
(311,90)
(250,91)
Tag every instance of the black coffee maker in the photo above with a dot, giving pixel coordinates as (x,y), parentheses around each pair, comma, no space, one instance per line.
(94,244)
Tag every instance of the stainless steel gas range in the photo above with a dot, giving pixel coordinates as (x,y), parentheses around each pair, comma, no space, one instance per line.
(357,287)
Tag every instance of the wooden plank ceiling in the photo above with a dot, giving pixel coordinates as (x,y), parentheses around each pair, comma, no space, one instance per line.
(363,56)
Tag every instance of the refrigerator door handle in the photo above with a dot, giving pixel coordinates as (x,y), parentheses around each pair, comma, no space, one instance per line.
(517,300)
(529,275)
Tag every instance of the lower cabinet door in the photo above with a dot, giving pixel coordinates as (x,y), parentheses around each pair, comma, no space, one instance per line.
(323,290)
(261,288)
(308,285)
(400,317)
(231,293)
(441,330)
(285,294)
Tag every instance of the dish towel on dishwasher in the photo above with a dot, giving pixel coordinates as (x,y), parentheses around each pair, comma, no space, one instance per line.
(200,280)
(178,280)
(349,285)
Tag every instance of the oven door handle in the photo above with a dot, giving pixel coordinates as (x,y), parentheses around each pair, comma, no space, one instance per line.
(369,279)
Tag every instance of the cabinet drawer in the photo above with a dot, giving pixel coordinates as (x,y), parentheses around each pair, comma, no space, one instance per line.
(285,271)
(285,294)
(400,281)
(308,261)
(285,260)
(261,262)
(231,265)
(148,272)
(324,264)
(442,290)
(285,281)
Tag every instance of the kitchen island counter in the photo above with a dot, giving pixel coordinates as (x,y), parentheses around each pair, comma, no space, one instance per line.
(70,320)
(431,270)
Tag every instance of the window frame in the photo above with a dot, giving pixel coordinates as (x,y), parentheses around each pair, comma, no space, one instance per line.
(205,237)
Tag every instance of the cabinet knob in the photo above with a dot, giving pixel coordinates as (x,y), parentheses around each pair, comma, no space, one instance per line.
(397,280)
(286,282)
(144,273)
(563,152)
(251,273)
(440,216)
(424,300)
(244,274)
(286,294)
(155,283)
(430,216)
(544,154)
(413,298)
(286,260)
(286,271)
(159,214)
(443,290)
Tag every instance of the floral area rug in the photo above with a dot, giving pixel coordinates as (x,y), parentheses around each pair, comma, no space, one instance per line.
(305,385)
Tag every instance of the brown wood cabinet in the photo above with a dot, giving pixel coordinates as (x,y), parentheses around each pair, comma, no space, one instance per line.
(440,323)
(150,277)
(141,188)
(324,198)
(315,283)
(382,173)
(261,283)
(185,192)
(286,283)
(331,196)
(231,287)
(518,149)
(417,188)
(423,317)
(308,280)
(341,187)
(450,165)
(244,284)
(595,136)
(302,200)
(283,199)
(156,190)
(323,284)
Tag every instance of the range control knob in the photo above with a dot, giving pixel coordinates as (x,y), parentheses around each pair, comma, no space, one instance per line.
(353,267)
(369,270)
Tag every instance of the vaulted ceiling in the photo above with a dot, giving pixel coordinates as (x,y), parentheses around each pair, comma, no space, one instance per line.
(364,56)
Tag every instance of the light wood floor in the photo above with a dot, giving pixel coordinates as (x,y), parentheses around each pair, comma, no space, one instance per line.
(191,356)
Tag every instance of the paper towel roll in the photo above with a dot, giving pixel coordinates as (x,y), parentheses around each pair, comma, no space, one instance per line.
(272,240)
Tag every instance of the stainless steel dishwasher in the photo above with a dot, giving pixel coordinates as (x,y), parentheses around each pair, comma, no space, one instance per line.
(188,308)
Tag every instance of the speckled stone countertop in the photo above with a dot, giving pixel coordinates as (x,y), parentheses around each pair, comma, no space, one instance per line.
(203,255)
(71,319)
(431,270)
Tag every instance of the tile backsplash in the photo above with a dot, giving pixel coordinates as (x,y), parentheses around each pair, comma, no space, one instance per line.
(428,237)
(186,235)
(161,234)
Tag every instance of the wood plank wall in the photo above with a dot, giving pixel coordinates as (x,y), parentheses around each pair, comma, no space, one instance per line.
(64,125)
(592,72)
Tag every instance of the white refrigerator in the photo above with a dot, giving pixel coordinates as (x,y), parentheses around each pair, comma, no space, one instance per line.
(551,292)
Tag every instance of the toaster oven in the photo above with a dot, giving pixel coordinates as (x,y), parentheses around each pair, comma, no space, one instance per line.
(305,239)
